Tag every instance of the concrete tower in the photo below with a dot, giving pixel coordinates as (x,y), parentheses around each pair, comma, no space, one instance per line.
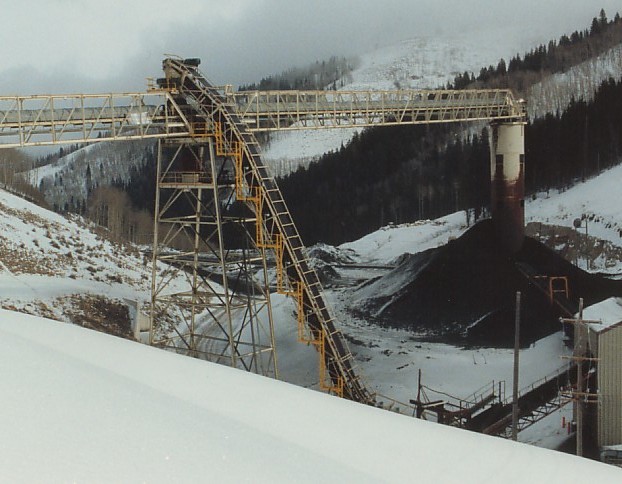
(507,171)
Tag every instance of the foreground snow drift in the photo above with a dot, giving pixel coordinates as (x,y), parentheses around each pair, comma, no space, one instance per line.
(83,406)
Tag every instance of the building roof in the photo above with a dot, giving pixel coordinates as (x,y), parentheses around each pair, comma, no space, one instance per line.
(608,312)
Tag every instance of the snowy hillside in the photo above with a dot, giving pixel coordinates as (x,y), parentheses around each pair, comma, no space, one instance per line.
(579,82)
(598,202)
(431,63)
(68,270)
(87,407)
(599,198)
(69,179)
(420,63)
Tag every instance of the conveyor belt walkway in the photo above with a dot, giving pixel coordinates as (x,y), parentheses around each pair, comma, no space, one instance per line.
(275,230)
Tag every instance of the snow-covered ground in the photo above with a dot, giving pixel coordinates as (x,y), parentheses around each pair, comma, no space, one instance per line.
(596,202)
(37,244)
(391,359)
(388,359)
(599,199)
(56,267)
(81,406)
(388,243)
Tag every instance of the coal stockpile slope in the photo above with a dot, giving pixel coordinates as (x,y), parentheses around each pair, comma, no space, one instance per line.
(466,290)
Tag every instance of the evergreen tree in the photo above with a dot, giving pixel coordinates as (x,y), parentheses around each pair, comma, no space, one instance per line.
(602,19)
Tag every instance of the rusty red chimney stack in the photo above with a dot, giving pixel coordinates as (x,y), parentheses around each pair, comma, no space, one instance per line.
(507,171)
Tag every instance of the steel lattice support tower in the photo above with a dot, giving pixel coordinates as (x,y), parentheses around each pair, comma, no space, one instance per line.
(220,311)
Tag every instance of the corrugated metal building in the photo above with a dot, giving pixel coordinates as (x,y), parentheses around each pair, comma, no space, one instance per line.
(605,344)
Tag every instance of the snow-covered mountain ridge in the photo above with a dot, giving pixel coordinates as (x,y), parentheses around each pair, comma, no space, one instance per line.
(428,63)
(69,179)
(418,63)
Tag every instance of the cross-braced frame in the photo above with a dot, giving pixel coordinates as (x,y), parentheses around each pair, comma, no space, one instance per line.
(207,300)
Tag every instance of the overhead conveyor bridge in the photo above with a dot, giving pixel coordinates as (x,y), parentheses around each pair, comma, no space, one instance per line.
(292,110)
(69,118)
(42,120)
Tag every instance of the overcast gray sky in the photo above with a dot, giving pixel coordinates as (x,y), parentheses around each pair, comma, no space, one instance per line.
(112,45)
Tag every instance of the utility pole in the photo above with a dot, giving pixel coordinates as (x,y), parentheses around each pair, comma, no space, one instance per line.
(515,382)
(419,406)
(579,350)
(580,335)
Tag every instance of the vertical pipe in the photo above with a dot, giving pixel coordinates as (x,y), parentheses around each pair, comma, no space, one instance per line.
(507,172)
(154,254)
(515,382)
(418,402)
(585,248)
(579,353)
(222,256)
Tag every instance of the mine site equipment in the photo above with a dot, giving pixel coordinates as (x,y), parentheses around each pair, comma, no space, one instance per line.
(208,158)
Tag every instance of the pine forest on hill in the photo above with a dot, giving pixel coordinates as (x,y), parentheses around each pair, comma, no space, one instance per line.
(558,56)
(329,74)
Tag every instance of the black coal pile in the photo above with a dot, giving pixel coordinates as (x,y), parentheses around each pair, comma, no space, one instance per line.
(465,291)
(323,259)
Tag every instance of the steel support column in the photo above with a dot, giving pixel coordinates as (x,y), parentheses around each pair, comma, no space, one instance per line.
(206,301)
